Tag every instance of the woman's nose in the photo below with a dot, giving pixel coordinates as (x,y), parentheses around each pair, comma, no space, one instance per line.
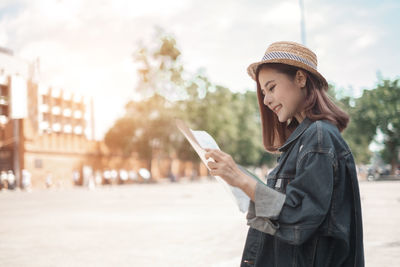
(267,100)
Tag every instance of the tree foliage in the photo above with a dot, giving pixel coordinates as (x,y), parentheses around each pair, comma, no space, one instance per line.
(231,118)
(379,110)
(168,91)
(357,141)
(145,128)
(160,70)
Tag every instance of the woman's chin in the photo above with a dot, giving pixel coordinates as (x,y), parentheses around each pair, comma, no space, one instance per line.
(282,119)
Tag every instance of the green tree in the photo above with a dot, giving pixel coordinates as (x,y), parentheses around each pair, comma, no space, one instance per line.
(378,110)
(194,110)
(148,126)
(357,142)
(145,128)
(231,118)
(249,147)
(167,91)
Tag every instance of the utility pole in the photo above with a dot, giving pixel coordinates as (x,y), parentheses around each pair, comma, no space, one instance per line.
(19,111)
(92,119)
(302,23)
(17,152)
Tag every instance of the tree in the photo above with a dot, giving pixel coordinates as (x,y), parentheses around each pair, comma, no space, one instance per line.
(231,118)
(167,91)
(358,141)
(160,70)
(249,147)
(145,128)
(378,110)
(147,125)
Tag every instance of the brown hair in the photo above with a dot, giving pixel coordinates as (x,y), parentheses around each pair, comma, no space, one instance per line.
(318,106)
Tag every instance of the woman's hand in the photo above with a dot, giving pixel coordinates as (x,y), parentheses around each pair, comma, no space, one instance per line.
(225,167)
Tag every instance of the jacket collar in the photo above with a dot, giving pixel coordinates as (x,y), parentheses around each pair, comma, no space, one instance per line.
(296,133)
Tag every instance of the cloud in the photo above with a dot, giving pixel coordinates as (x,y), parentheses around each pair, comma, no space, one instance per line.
(351,41)
(286,12)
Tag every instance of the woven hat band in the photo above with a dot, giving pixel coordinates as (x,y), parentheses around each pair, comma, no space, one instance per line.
(286,55)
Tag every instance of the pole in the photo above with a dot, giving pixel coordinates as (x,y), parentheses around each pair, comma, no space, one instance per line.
(16,153)
(92,118)
(302,23)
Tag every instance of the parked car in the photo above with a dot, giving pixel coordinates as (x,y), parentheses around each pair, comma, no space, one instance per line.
(377,172)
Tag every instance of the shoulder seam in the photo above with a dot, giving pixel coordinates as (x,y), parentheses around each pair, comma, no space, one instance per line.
(319,133)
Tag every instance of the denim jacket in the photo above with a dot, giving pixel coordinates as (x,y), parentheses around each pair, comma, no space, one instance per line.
(309,212)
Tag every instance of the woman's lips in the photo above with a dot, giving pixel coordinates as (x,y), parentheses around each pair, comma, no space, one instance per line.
(277,108)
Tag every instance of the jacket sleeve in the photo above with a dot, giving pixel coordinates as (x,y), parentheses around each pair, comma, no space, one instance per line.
(294,216)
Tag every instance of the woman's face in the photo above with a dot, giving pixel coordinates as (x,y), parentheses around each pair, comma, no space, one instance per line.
(282,94)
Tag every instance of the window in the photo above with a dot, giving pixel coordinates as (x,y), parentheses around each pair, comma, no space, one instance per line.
(3,110)
(45,99)
(38,163)
(3,90)
(57,101)
(57,119)
(46,117)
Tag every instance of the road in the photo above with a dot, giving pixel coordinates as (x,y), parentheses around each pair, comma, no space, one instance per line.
(180,224)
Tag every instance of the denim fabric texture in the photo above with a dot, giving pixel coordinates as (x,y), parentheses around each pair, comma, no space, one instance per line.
(309,214)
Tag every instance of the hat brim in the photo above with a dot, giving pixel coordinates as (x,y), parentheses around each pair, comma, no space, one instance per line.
(252,68)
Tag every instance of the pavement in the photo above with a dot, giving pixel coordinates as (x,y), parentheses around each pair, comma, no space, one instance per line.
(167,224)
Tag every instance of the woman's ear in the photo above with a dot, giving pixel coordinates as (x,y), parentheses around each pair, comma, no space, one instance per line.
(301,78)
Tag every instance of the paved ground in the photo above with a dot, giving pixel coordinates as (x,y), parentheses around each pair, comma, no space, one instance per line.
(185,224)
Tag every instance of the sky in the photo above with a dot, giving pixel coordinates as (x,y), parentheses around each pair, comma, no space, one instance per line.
(86,46)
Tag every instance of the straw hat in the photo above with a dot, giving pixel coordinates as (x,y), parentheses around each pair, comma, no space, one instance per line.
(289,53)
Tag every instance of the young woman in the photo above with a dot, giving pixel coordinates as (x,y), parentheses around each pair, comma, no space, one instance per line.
(309,213)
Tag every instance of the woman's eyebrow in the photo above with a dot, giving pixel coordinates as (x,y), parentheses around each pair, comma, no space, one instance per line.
(266,84)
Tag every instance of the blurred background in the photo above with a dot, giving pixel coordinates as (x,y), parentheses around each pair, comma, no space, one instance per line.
(89,92)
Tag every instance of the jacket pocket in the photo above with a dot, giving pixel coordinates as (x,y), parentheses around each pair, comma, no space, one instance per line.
(280,182)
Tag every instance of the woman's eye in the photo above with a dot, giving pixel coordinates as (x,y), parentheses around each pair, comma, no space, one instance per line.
(271,88)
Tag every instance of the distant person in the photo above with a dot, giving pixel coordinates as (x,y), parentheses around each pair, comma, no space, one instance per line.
(3,179)
(76,177)
(107,177)
(98,179)
(49,180)
(91,183)
(309,212)
(133,176)
(26,180)
(11,180)
(123,176)
(172,177)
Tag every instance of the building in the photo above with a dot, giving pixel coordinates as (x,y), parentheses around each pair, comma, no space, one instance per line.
(44,130)
(49,133)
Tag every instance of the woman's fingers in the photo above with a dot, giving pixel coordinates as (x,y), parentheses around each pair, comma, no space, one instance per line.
(222,164)
(214,153)
(212,165)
